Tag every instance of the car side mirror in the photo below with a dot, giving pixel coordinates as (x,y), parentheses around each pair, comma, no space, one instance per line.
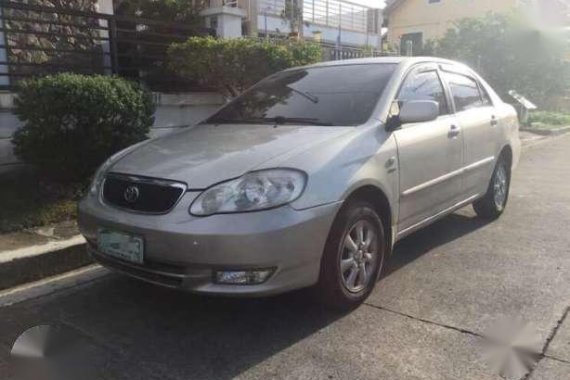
(418,111)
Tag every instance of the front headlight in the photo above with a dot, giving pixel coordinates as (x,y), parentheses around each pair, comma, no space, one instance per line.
(254,191)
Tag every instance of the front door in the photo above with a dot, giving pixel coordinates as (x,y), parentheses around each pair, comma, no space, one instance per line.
(430,154)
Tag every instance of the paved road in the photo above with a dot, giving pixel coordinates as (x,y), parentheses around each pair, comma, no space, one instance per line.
(428,319)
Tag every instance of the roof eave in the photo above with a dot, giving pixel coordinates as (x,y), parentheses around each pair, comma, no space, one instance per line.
(391,6)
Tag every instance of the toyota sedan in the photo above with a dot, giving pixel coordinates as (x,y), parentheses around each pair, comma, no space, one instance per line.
(307,179)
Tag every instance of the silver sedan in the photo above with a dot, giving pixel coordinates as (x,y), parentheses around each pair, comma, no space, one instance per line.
(306,179)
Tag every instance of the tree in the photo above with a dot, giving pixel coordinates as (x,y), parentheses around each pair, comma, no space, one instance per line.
(510,54)
(293,15)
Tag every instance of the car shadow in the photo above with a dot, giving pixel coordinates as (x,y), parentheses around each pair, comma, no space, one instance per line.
(144,331)
(444,231)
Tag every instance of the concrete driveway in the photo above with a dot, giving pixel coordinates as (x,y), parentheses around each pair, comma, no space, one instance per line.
(429,318)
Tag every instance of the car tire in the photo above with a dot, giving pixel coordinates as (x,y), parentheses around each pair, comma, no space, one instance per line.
(494,202)
(353,258)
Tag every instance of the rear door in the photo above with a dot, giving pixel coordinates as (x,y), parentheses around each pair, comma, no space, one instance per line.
(476,116)
(430,154)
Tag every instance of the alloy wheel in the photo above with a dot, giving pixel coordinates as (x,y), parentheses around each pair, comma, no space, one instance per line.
(500,186)
(359,253)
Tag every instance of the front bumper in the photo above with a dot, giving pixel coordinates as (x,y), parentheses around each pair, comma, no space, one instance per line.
(183,251)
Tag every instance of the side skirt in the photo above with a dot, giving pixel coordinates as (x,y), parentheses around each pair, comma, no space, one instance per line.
(433,218)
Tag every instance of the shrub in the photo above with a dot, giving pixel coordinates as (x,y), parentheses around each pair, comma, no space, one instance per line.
(233,65)
(72,123)
(550,118)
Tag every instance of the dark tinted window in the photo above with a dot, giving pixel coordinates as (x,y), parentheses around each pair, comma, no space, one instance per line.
(465,92)
(335,95)
(424,86)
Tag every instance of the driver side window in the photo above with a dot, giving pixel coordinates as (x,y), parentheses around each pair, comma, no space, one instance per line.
(424,85)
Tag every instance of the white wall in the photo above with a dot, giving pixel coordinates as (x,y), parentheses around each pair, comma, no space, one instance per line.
(229,20)
(229,26)
(105,6)
(9,123)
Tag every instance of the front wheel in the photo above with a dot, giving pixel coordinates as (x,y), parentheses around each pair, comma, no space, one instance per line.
(353,258)
(493,204)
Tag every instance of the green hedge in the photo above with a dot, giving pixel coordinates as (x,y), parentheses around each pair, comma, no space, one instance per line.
(72,123)
(233,65)
(550,118)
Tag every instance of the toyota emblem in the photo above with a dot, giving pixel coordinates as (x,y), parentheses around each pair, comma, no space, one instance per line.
(131,194)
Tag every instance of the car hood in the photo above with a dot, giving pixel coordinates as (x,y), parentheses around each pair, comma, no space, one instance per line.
(208,154)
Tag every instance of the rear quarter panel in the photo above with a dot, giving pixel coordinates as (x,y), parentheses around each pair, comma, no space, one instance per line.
(509,123)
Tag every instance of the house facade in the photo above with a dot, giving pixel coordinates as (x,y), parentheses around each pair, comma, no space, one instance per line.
(413,22)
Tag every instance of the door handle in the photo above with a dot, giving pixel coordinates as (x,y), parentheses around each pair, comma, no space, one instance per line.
(453,131)
(494,121)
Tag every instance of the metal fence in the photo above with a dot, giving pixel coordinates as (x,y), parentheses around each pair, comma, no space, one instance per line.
(38,40)
(335,53)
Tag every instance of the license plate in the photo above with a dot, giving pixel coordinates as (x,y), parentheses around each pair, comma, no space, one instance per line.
(121,245)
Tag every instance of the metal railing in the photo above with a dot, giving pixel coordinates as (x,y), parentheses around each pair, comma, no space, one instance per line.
(332,13)
(335,53)
(40,40)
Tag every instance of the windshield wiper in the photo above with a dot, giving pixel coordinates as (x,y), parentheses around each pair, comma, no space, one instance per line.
(237,121)
(277,120)
(296,120)
(306,95)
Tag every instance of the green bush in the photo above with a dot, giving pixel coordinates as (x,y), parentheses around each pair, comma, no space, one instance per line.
(550,118)
(233,65)
(72,123)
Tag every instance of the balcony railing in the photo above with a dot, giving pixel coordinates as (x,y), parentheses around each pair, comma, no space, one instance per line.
(331,13)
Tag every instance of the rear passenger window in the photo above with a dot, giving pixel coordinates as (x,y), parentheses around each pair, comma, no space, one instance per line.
(424,86)
(465,92)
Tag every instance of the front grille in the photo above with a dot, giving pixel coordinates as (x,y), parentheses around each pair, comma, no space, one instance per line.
(142,194)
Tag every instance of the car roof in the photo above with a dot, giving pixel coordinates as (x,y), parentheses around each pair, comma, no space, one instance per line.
(379,60)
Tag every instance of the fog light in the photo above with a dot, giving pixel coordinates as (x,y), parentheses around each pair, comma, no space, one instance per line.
(249,277)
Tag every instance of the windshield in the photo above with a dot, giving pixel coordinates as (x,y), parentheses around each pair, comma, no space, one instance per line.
(336,95)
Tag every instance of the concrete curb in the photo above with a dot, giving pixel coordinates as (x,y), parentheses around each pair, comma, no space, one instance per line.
(37,262)
(547,132)
(51,285)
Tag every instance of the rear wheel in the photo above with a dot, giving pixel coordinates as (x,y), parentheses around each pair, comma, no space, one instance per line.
(495,200)
(354,256)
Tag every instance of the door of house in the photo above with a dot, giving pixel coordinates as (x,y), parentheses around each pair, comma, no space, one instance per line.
(411,44)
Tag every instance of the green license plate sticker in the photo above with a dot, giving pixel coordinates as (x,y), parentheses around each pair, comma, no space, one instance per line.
(121,245)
